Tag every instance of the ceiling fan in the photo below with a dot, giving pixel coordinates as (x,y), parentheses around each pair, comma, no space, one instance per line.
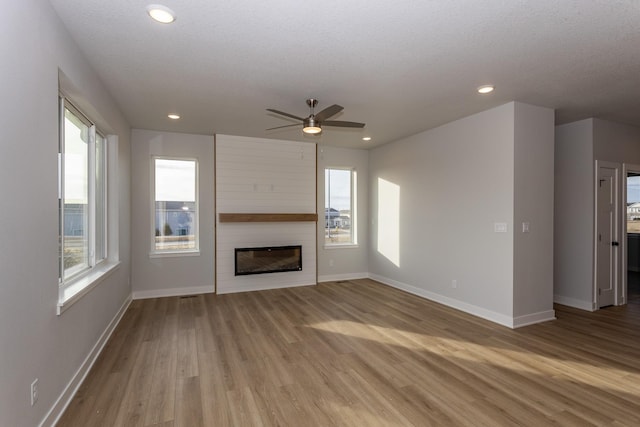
(313,123)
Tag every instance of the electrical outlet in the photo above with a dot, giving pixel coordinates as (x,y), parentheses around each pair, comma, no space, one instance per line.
(454,283)
(34,392)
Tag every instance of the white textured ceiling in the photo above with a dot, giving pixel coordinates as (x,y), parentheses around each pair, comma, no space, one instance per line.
(401,67)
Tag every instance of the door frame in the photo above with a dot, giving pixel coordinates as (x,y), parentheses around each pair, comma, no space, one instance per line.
(617,227)
(626,169)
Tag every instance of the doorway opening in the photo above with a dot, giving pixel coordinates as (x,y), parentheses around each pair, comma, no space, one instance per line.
(631,238)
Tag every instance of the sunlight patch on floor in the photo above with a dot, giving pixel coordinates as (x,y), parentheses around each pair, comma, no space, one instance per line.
(523,361)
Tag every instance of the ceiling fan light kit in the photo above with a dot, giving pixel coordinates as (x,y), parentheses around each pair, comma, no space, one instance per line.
(312,125)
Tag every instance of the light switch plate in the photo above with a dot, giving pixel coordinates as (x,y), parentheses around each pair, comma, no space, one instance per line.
(500,227)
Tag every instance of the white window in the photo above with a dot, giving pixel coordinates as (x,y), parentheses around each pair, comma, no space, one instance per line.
(340,207)
(175,206)
(82,195)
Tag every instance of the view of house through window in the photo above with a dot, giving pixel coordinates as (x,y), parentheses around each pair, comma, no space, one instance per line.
(633,203)
(82,199)
(175,205)
(339,202)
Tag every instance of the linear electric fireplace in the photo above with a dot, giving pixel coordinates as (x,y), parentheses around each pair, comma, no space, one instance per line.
(273,259)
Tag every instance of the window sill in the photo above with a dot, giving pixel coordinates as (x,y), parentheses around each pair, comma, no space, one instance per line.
(170,254)
(342,246)
(73,292)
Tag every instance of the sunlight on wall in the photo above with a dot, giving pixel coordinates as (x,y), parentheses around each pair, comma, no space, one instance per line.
(389,221)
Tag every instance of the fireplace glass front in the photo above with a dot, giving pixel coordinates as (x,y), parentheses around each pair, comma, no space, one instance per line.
(271,259)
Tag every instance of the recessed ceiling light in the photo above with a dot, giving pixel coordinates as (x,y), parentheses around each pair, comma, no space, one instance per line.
(366,138)
(486,89)
(174,116)
(161,13)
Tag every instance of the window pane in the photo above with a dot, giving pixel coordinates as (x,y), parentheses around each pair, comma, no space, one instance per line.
(101,198)
(338,206)
(76,195)
(175,211)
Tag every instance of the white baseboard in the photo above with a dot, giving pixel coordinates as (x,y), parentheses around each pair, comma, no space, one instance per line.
(533,318)
(575,303)
(492,316)
(173,292)
(58,408)
(338,277)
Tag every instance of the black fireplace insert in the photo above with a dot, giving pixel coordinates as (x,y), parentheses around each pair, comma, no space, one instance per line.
(271,259)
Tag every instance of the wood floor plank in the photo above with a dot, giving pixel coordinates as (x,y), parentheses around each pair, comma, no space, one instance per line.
(356,353)
(188,403)
(136,393)
(161,404)
(215,407)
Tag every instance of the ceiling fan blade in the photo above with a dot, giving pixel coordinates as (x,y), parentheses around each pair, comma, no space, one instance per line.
(282,113)
(285,126)
(340,123)
(329,112)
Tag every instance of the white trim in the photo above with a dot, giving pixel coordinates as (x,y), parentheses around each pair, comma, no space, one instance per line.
(332,246)
(58,408)
(533,318)
(154,253)
(492,316)
(575,303)
(76,289)
(353,209)
(338,277)
(261,288)
(173,292)
(616,227)
(170,254)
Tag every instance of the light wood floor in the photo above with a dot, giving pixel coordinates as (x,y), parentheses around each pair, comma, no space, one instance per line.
(358,353)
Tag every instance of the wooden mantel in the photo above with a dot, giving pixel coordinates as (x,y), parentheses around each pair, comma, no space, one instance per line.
(267,217)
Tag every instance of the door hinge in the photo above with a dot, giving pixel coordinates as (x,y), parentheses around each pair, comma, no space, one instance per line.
(599,291)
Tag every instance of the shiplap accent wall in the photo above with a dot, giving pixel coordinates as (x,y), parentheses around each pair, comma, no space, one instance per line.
(255,175)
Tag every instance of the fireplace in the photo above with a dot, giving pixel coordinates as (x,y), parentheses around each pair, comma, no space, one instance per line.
(271,259)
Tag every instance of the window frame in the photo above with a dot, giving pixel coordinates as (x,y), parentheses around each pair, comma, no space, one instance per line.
(102,254)
(73,284)
(353,242)
(153,252)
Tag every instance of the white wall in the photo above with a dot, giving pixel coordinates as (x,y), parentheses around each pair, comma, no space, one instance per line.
(453,183)
(335,263)
(577,147)
(573,214)
(436,198)
(533,204)
(34,342)
(255,175)
(171,275)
